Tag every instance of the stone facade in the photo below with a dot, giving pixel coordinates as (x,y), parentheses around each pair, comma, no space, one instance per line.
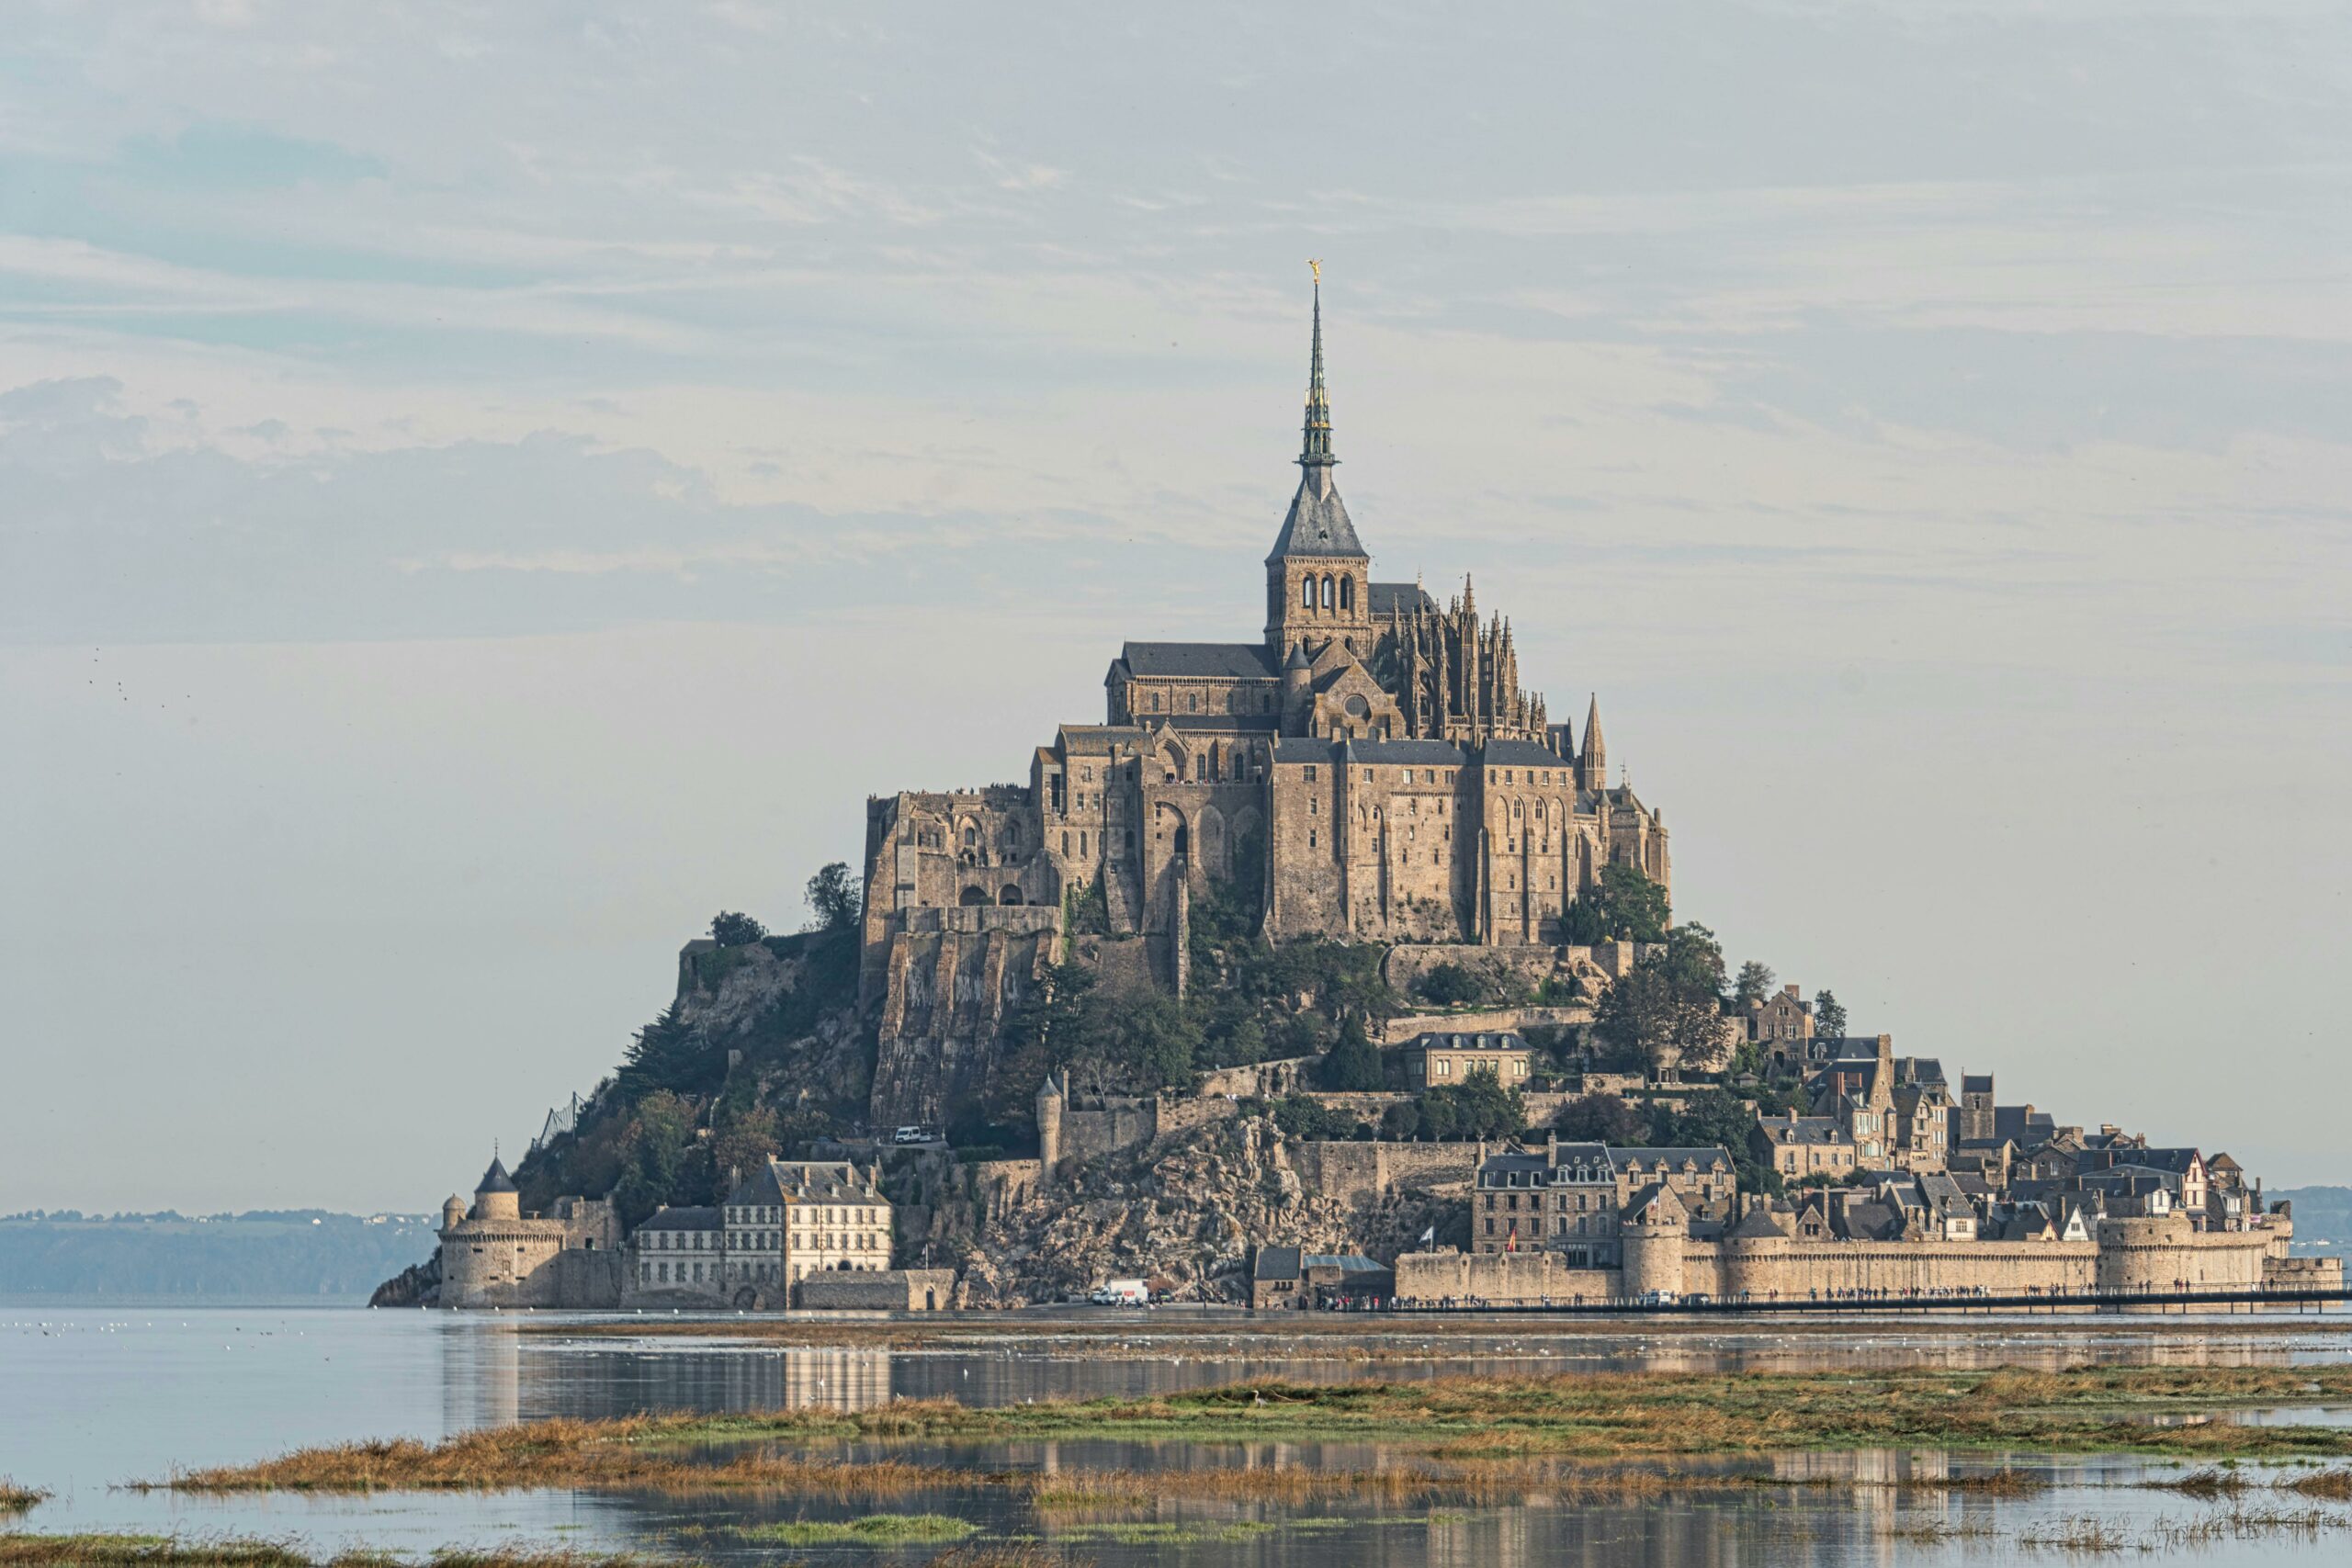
(493,1254)
(1371,766)
(1661,1258)
(888,1290)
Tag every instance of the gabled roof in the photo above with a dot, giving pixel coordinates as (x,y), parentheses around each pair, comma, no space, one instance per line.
(1215,660)
(1490,1039)
(1304,749)
(1713,1158)
(1760,1222)
(1275,1263)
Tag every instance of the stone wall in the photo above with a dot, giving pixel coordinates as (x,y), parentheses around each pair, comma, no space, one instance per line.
(1364,1173)
(2130,1255)
(1448,1275)
(1405,1027)
(889,1290)
(1531,964)
(945,990)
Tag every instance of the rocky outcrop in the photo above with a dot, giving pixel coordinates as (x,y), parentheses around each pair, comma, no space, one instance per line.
(1186,1210)
(419,1285)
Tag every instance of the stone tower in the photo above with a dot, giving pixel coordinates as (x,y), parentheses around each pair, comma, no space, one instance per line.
(495,1195)
(1052,1098)
(1318,579)
(1653,1236)
(453,1212)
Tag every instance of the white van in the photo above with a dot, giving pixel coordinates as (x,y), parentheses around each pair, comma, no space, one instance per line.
(912,1135)
(1121,1294)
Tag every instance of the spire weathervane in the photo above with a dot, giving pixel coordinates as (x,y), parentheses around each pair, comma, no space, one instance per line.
(1315,449)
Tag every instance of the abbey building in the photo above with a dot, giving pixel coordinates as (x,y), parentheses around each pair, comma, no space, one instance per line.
(1371,765)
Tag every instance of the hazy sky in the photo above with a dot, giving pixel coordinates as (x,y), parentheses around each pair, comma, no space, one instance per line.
(484,487)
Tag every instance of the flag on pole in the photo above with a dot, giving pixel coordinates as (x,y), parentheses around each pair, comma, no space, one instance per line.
(1429,1236)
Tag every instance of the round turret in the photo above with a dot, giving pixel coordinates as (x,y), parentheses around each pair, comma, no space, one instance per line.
(453,1211)
(495,1195)
(1652,1238)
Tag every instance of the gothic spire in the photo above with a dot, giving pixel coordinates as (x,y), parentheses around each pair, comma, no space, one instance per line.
(1315,448)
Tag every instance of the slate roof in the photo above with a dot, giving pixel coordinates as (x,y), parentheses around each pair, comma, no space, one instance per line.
(1518,754)
(693,1219)
(1237,660)
(1760,1222)
(1489,1040)
(1275,1263)
(1803,1129)
(495,1179)
(1317,522)
(803,1179)
(1707,1158)
(1431,753)
(1304,749)
(1385,598)
(1973,1083)
(1347,1263)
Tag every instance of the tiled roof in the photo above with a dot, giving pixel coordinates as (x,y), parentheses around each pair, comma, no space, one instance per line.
(1210,660)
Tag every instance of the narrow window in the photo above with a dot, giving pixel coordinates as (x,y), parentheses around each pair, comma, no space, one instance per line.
(1306,594)
(1347,593)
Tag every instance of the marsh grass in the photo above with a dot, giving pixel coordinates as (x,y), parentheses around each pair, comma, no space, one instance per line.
(1485,1433)
(16,1499)
(874,1529)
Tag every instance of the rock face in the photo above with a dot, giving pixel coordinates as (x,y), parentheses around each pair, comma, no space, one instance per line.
(1186,1210)
(419,1285)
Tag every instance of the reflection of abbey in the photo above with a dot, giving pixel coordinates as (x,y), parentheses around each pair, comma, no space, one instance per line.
(1372,763)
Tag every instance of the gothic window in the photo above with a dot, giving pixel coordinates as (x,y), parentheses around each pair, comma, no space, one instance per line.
(971,838)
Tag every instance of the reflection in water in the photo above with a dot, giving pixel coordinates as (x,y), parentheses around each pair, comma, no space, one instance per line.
(88,1403)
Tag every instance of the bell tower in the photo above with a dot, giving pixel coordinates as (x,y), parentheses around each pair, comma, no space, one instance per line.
(1318,577)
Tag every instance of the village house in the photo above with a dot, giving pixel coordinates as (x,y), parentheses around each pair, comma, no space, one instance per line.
(1438,1058)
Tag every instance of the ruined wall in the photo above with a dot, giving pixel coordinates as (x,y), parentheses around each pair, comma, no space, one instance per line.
(1530,963)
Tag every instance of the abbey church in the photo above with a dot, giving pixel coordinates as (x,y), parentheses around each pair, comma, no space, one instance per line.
(1371,765)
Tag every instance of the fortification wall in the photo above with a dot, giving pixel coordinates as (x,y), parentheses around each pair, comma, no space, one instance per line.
(526,1270)
(944,991)
(2166,1254)
(1366,1173)
(888,1290)
(1799,1269)
(1405,1027)
(1449,1275)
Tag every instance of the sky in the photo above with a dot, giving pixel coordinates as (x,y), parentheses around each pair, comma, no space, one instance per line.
(485,487)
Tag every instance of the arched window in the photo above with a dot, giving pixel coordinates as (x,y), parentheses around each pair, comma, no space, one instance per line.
(1347,593)
(971,837)
(1327,592)
(1307,594)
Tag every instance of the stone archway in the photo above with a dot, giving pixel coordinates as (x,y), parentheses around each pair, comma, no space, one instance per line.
(974,895)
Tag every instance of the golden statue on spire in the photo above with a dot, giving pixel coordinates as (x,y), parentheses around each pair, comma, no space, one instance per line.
(1315,265)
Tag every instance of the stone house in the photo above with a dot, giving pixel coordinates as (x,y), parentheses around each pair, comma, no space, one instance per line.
(1277,1277)
(1569,1198)
(1436,1058)
(1800,1146)
(1780,1026)
(682,1249)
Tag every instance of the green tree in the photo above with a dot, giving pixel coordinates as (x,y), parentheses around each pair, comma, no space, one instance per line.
(1478,1107)
(1828,1017)
(836,902)
(1401,1122)
(728,928)
(1599,1119)
(1669,1006)
(653,1156)
(1450,985)
(1623,905)
(1755,984)
(742,1138)
(669,1053)
(1353,1062)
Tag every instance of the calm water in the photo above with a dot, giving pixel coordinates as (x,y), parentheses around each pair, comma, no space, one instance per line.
(94,1396)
